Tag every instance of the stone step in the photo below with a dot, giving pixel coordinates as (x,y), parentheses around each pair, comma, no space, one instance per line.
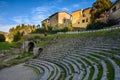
(81,69)
(101,62)
(99,51)
(93,64)
(105,59)
(46,73)
(39,69)
(115,66)
(56,74)
(66,67)
(104,49)
(87,66)
(75,66)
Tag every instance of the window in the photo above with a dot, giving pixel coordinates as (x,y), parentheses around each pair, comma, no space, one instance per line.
(64,20)
(87,20)
(83,21)
(83,15)
(78,22)
(114,9)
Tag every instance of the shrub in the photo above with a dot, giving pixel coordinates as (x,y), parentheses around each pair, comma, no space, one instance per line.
(112,22)
(97,25)
(2,38)
(17,37)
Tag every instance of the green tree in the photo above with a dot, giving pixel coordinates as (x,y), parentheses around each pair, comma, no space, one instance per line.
(17,37)
(2,38)
(99,7)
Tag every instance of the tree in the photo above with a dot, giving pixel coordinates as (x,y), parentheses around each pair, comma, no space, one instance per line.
(2,38)
(45,25)
(99,7)
(17,37)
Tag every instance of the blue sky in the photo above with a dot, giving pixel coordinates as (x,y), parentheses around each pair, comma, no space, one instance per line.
(14,12)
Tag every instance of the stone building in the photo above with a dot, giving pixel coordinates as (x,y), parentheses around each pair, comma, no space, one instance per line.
(103,17)
(114,12)
(59,18)
(46,23)
(81,18)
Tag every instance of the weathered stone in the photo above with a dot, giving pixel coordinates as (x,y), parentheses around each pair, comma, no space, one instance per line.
(28,46)
(37,51)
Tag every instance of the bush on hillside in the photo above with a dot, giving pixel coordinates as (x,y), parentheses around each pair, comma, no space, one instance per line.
(17,36)
(2,38)
(111,22)
(97,25)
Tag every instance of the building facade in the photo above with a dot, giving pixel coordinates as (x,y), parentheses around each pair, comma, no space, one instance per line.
(81,18)
(60,18)
(114,12)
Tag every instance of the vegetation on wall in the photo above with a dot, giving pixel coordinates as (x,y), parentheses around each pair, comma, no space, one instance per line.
(20,30)
(2,38)
(99,7)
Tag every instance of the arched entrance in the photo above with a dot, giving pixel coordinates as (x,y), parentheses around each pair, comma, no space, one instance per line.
(31,45)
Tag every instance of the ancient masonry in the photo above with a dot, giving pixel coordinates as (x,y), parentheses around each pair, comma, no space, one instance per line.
(81,18)
(58,19)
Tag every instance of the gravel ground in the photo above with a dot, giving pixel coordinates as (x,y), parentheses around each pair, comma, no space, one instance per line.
(18,72)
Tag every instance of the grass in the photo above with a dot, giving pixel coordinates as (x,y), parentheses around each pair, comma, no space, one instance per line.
(110,73)
(71,68)
(87,62)
(4,46)
(100,69)
(8,46)
(71,78)
(42,44)
(117,61)
(98,33)
(110,69)
(24,55)
(20,58)
(83,66)
(92,70)
(62,76)
(52,73)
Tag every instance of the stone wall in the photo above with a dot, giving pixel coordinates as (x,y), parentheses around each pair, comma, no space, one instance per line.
(59,18)
(26,46)
(114,12)
(81,18)
(53,19)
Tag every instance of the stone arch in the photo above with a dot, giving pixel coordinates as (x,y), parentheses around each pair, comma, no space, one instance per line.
(31,45)
(40,50)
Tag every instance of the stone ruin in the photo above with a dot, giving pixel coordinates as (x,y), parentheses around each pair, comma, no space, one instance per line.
(29,46)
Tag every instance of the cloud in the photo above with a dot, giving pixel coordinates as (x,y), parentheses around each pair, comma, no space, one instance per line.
(76,5)
(3,4)
(5,28)
(40,13)
(65,9)
(0,18)
(21,19)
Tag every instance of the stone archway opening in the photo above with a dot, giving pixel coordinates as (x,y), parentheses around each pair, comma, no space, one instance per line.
(31,45)
(40,50)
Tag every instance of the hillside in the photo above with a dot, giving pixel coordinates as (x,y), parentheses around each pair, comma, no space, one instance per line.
(88,56)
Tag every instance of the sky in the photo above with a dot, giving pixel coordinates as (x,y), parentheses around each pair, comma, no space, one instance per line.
(14,12)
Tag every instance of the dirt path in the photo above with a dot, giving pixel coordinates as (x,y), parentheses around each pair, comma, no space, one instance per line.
(18,72)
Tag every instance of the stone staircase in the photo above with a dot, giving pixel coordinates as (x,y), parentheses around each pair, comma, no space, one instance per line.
(80,59)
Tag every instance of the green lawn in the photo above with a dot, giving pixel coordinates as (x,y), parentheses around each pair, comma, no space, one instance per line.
(4,46)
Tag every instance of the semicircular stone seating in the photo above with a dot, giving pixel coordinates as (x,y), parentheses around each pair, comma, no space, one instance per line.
(96,62)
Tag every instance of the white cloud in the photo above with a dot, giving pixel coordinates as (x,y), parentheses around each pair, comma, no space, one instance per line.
(5,28)
(76,5)
(65,9)
(0,18)
(40,13)
(3,4)
(21,19)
